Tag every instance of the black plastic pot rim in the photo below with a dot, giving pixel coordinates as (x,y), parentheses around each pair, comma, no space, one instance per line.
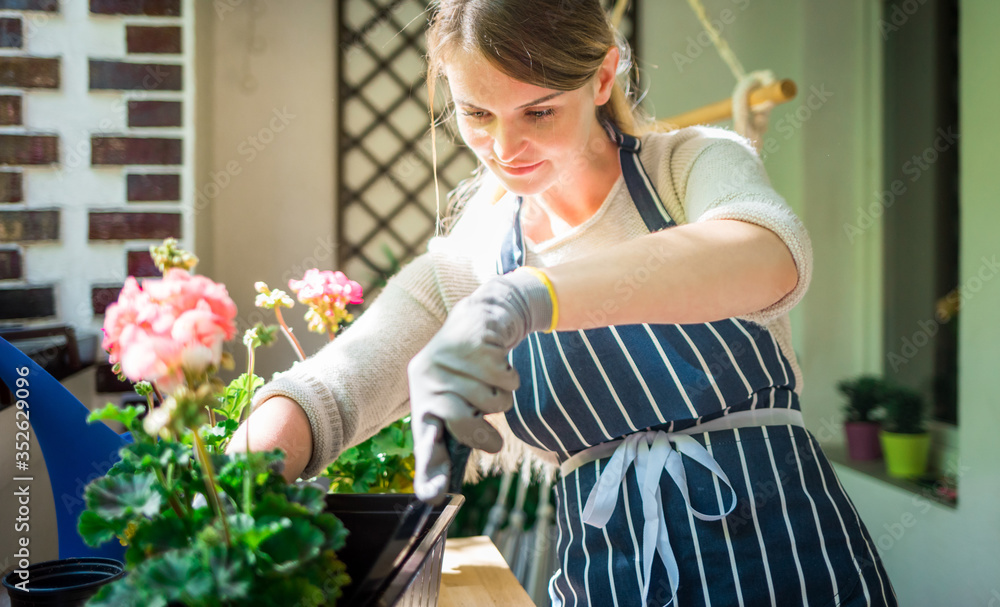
(113,569)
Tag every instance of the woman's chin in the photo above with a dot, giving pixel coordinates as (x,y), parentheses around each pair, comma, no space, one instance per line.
(524,186)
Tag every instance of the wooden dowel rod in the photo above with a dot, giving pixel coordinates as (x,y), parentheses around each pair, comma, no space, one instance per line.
(777,92)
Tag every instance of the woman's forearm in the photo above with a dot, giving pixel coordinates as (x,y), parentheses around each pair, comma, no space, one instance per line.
(278,423)
(693,273)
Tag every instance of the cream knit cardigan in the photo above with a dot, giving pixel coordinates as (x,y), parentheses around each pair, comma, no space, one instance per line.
(357,384)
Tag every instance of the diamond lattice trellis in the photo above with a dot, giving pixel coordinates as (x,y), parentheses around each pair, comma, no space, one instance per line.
(385,180)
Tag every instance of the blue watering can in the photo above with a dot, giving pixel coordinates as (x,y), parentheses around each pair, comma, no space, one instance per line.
(75,452)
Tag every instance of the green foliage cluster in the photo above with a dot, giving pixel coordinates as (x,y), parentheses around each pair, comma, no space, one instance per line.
(865,395)
(258,541)
(904,412)
(874,399)
(381,464)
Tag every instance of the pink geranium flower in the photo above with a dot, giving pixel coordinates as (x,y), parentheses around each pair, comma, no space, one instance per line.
(163,327)
(327,294)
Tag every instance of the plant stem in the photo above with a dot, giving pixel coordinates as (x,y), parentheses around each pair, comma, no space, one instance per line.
(213,496)
(156,391)
(247,493)
(171,496)
(149,409)
(288,333)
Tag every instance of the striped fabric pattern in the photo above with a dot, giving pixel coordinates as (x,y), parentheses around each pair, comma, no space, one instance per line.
(642,376)
(794,538)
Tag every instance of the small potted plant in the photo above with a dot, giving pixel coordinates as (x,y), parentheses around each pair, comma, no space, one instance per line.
(202,527)
(864,397)
(904,435)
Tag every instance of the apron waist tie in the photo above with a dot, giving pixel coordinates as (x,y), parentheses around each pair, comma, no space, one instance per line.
(652,453)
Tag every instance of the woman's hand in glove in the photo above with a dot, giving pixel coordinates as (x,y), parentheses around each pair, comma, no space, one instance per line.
(463,373)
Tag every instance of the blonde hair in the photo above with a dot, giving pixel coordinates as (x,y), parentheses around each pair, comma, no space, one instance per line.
(554,44)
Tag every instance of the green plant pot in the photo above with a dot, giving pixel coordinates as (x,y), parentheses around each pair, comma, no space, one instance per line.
(905,454)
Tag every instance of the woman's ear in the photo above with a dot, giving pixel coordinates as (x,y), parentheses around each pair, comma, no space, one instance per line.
(605,80)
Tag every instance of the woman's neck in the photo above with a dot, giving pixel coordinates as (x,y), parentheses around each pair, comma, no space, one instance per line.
(581,190)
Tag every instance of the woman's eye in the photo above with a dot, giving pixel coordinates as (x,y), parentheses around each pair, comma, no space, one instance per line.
(474,114)
(540,114)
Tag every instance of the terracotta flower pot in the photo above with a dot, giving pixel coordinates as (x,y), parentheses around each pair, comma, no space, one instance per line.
(905,454)
(862,440)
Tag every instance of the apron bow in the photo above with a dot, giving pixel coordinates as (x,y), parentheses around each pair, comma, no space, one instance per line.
(652,453)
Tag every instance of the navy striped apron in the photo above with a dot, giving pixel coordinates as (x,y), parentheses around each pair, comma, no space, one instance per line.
(750,514)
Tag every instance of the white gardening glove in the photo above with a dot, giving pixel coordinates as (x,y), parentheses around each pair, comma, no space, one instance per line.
(463,373)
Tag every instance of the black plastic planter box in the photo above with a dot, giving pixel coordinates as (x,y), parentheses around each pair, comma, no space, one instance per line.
(372,520)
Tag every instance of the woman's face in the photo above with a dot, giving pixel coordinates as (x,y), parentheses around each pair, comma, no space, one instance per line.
(530,137)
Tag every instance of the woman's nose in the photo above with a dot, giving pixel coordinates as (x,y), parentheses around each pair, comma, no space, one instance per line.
(508,143)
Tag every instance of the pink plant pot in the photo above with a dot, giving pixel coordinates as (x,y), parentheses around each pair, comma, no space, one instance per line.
(863,441)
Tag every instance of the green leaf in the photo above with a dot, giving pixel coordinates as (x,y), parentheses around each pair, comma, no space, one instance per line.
(123,465)
(263,466)
(125,592)
(124,497)
(333,530)
(274,592)
(274,506)
(392,442)
(365,475)
(312,498)
(157,536)
(112,412)
(161,454)
(210,536)
(296,542)
(252,532)
(349,456)
(95,531)
(233,577)
(240,523)
(219,434)
(236,397)
(178,575)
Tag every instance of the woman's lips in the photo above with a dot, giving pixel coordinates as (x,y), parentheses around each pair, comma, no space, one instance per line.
(518,170)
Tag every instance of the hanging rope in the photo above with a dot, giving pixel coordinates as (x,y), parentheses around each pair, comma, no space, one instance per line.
(718,41)
(747,121)
(751,122)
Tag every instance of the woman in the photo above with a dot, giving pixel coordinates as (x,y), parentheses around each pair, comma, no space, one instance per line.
(595,330)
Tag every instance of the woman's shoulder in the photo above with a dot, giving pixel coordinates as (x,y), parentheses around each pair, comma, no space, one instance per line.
(682,146)
(670,156)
